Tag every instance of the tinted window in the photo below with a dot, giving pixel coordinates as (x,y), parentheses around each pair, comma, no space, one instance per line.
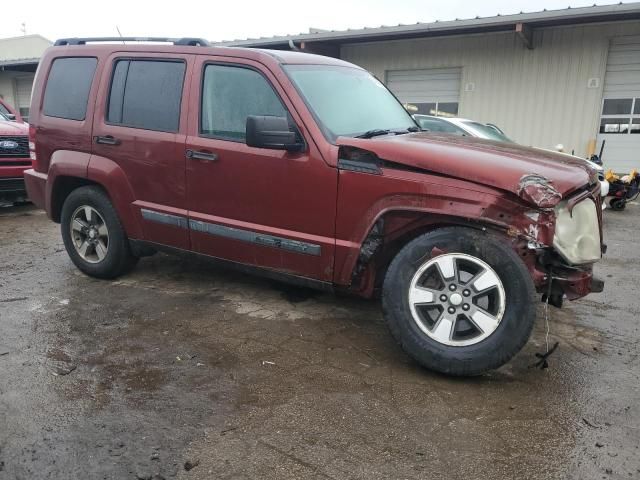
(68,85)
(146,94)
(636,110)
(230,95)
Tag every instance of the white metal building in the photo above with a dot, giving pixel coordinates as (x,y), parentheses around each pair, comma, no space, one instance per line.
(569,77)
(19,58)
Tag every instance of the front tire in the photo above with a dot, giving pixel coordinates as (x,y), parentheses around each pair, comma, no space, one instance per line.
(93,235)
(459,301)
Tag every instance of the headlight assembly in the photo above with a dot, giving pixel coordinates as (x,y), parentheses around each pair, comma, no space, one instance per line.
(577,237)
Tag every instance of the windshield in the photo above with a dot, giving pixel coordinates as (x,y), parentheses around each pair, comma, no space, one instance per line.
(486,131)
(3,117)
(348,101)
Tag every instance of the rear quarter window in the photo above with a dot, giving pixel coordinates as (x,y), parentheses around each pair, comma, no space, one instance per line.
(67,89)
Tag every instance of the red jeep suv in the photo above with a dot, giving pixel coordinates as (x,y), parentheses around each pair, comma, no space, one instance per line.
(307,169)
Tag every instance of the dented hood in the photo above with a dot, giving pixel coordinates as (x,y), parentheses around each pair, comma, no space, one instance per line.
(538,176)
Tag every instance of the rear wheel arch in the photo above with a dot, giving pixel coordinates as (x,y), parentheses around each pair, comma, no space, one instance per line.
(62,188)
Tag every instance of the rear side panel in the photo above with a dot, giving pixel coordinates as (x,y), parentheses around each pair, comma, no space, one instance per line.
(55,134)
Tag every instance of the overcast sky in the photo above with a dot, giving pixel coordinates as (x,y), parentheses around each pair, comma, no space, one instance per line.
(227,20)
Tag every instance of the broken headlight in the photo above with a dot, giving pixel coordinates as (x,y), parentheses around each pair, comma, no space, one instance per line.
(577,237)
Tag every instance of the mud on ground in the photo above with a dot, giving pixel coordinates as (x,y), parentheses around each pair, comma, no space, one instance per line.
(181,370)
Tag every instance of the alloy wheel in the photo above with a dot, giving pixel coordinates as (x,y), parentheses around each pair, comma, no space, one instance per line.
(89,234)
(457,299)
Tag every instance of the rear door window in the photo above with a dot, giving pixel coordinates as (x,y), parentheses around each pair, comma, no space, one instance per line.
(67,91)
(146,94)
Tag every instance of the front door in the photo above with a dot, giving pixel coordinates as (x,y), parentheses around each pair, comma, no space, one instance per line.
(262,207)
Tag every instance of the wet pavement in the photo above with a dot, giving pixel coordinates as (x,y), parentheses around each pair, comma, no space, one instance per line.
(182,370)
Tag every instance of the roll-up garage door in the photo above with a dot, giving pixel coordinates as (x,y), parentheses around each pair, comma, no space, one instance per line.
(23,95)
(620,118)
(432,91)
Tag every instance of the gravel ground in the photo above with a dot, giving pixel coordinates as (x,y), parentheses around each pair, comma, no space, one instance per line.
(181,370)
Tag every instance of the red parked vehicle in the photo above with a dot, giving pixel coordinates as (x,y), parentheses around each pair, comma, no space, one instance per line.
(14,155)
(306,168)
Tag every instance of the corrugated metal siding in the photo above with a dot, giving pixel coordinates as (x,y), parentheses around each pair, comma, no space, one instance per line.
(623,68)
(539,97)
(425,85)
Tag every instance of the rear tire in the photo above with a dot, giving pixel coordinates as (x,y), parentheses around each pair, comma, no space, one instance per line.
(462,312)
(93,235)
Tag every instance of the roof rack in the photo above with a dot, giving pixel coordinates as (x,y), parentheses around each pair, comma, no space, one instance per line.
(191,42)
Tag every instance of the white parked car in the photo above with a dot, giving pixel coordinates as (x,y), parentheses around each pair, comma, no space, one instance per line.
(488,131)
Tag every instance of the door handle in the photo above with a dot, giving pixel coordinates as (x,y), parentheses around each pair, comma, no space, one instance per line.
(208,156)
(107,140)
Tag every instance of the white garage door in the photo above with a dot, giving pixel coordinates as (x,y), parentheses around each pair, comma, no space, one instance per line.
(620,120)
(433,91)
(23,95)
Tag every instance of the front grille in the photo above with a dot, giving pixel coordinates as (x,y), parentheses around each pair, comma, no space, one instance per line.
(12,185)
(21,151)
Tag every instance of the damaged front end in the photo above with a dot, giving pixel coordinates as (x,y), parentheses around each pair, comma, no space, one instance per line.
(560,240)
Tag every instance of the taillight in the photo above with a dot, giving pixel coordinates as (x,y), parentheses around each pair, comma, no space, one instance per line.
(32,143)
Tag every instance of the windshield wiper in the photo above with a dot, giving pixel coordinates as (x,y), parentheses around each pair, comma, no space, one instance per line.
(376,132)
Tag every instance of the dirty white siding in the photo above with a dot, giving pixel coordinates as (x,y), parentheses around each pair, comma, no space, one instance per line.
(13,84)
(540,97)
(28,46)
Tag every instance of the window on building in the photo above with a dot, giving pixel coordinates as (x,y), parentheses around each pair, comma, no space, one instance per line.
(620,116)
(146,94)
(67,91)
(437,109)
(614,125)
(230,95)
(617,106)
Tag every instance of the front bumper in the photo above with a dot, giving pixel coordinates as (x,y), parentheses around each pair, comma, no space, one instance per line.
(566,282)
(11,178)
(576,284)
(12,189)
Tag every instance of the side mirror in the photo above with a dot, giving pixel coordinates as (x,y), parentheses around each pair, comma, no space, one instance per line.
(271,132)
(10,116)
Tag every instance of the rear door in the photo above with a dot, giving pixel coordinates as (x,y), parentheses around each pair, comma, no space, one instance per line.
(263,207)
(141,126)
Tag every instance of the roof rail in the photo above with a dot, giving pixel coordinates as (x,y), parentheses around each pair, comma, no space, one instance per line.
(192,42)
